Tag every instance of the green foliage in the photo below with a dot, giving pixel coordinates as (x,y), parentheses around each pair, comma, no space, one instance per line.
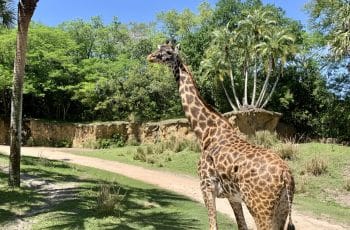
(90,71)
(7,13)
(252,48)
(331,18)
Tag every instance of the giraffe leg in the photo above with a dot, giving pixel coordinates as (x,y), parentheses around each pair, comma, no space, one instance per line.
(237,209)
(209,200)
(281,212)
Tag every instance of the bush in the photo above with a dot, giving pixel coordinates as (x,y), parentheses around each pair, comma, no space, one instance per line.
(109,199)
(264,138)
(288,151)
(140,155)
(316,166)
(302,184)
(347,185)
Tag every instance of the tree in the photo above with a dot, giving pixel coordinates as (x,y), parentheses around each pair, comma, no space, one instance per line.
(331,18)
(7,14)
(26,9)
(257,46)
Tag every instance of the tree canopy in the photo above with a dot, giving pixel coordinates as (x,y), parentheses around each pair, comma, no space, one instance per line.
(244,54)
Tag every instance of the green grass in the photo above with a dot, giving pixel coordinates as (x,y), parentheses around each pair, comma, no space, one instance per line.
(315,193)
(184,162)
(319,195)
(143,207)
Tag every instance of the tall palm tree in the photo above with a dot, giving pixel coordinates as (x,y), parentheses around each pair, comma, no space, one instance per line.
(26,9)
(275,48)
(7,13)
(258,46)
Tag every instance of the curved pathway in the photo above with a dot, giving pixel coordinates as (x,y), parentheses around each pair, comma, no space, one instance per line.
(185,185)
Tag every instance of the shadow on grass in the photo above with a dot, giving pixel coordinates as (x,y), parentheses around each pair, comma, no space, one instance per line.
(78,209)
(12,200)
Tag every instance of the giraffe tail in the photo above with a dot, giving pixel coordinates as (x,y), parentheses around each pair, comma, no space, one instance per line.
(289,184)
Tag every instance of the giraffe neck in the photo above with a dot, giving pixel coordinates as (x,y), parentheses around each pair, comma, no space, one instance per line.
(200,115)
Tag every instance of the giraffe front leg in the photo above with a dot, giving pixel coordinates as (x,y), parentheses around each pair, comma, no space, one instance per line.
(209,200)
(238,211)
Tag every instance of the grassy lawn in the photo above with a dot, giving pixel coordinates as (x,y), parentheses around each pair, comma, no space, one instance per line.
(320,195)
(184,162)
(140,206)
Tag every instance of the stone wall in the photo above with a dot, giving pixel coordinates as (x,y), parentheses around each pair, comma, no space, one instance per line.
(48,133)
(250,121)
(38,132)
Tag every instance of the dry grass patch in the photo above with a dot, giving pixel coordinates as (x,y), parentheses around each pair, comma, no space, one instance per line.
(288,150)
(316,166)
(109,199)
(264,138)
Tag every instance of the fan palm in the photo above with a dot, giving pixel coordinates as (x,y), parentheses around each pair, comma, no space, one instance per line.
(7,13)
(257,46)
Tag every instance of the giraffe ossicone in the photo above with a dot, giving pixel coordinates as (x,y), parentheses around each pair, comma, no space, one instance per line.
(229,166)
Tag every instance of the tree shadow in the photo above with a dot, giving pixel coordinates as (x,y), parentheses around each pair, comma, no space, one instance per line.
(13,200)
(73,207)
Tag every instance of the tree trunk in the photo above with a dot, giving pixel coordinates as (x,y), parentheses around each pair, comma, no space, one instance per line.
(25,11)
(228,97)
(254,85)
(273,88)
(264,88)
(234,89)
(245,99)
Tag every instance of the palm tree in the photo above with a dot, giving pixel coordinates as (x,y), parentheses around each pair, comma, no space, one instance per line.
(25,12)
(275,49)
(258,46)
(7,13)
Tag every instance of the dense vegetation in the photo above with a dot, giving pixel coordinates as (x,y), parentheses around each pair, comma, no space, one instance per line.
(87,70)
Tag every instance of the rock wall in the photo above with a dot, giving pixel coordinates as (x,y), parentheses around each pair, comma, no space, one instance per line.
(48,133)
(38,132)
(254,120)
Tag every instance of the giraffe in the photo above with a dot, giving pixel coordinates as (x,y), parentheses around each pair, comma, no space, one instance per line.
(230,167)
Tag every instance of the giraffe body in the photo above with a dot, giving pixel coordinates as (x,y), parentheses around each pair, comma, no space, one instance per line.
(230,167)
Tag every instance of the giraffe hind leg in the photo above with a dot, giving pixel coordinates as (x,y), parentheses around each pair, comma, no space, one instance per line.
(281,213)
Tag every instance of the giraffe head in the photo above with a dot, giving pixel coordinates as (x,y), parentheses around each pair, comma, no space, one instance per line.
(167,53)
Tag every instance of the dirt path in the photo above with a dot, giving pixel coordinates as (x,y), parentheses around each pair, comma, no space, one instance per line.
(185,185)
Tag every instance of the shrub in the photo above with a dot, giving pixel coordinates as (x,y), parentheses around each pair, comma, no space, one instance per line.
(301,184)
(149,150)
(117,140)
(264,138)
(347,185)
(109,199)
(288,150)
(132,142)
(140,155)
(316,166)
(193,145)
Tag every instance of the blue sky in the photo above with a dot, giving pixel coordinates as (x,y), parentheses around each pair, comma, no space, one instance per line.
(53,13)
